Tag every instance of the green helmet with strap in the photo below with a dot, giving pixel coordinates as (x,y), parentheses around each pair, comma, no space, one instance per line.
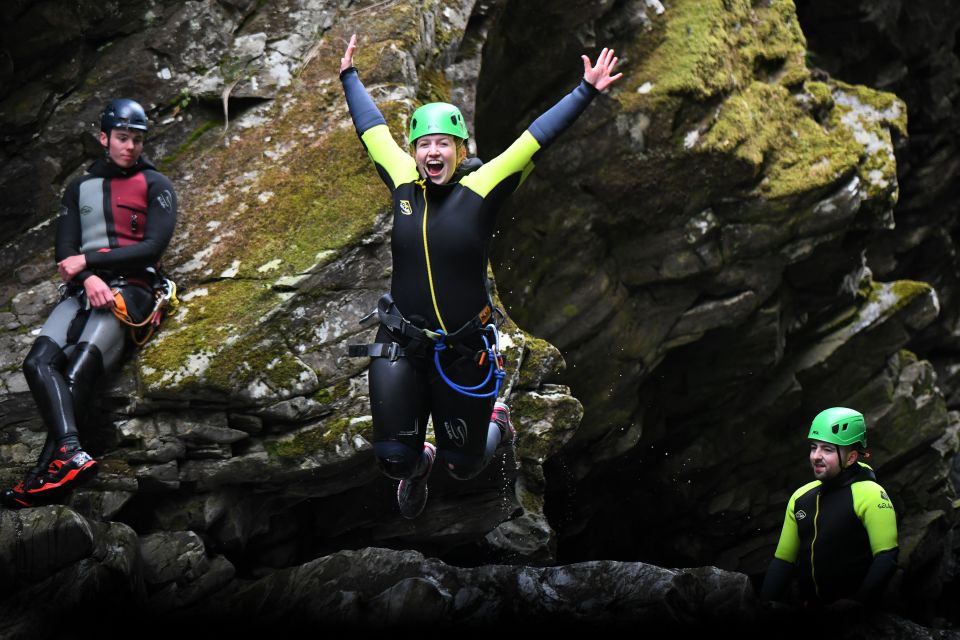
(840,426)
(437,117)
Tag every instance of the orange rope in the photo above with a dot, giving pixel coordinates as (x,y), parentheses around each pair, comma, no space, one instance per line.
(152,318)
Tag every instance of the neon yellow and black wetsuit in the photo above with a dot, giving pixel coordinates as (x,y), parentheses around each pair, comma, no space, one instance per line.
(841,535)
(440,240)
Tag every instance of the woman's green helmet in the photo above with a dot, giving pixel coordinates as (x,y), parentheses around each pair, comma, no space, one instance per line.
(839,425)
(437,117)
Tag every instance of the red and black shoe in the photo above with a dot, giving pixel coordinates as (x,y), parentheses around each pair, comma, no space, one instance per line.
(67,467)
(501,417)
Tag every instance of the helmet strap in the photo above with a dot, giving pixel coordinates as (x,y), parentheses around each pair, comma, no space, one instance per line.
(846,454)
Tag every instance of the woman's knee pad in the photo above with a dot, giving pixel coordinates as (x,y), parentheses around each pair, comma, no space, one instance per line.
(461,466)
(396,460)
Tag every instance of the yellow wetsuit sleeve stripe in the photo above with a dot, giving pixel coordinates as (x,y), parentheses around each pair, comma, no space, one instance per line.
(875,510)
(516,159)
(385,152)
(789,546)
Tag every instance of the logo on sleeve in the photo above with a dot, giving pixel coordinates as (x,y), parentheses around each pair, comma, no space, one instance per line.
(886,504)
(165,200)
(801,514)
(405,208)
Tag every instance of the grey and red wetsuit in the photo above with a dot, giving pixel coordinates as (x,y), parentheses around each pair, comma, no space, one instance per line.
(120,220)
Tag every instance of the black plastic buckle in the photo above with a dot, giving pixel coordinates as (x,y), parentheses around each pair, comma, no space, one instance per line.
(393,351)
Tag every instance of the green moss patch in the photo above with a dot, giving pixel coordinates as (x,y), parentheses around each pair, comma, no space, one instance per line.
(768,128)
(325,201)
(269,202)
(805,157)
(330,395)
(170,160)
(542,362)
(706,48)
(905,292)
(115,466)
(183,350)
(316,439)
(870,117)
(434,86)
(220,345)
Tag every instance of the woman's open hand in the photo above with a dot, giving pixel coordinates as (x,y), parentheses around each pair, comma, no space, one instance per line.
(599,75)
(347,60)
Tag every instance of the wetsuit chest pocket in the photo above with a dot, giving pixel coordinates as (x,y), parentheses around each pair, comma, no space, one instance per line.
(136,219)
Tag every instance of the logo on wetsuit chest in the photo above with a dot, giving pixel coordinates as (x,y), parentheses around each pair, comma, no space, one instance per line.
(405,208)
(457,431)
(85,209)
(801,514)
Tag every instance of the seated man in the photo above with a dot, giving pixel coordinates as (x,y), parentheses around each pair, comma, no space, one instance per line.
(115,222)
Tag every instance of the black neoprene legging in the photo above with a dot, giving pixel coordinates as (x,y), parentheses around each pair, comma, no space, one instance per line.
(75,346)
(403,392)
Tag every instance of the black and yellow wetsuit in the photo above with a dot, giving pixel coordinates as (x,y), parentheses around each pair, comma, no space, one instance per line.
(440,241)
(841,535)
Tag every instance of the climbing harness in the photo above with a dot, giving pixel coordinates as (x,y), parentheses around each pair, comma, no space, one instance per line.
(423,339)
(491,353)
(165,294)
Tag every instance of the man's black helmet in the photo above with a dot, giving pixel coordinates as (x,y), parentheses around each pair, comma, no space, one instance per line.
(123,113)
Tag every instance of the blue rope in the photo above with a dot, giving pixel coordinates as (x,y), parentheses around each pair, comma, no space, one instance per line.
(493,353)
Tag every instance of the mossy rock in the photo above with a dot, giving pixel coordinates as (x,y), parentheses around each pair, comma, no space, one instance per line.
(322,438)
(707,48)
(542,362)
(545,422)
(217,346)
(303,187)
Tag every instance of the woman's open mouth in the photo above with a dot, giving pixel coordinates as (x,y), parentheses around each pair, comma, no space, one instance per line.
(434,167)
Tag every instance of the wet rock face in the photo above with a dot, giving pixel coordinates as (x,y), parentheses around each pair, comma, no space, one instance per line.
(702,250)
(709,248)
(61,62)
(908,49)
(242,431)
(172,585)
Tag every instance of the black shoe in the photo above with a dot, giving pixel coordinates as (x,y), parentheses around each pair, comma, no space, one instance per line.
(66,468)
(412,492)
(501,416)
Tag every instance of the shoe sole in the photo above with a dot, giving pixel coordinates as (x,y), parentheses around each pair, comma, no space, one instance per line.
(72,475)
(17,503)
